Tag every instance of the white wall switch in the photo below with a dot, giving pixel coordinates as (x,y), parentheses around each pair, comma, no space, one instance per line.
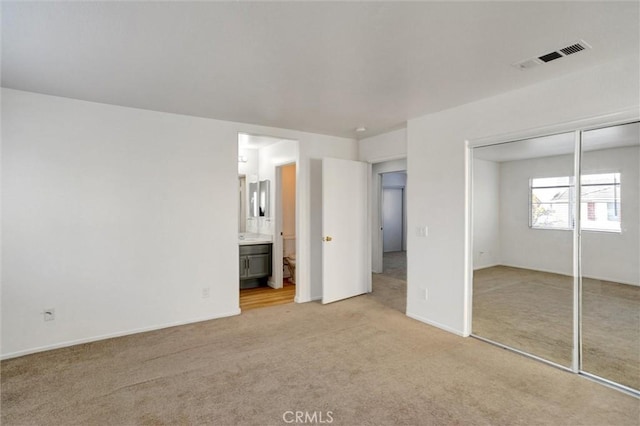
(205,292)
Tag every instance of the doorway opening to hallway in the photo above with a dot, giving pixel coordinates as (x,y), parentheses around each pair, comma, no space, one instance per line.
(389,236)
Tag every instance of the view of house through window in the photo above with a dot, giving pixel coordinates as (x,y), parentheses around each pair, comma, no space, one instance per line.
(552,198)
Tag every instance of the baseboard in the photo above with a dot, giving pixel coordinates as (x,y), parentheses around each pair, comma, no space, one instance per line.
(549,271)
(113,335)
(613,280)
(437,324)
(311,299)
(492,265)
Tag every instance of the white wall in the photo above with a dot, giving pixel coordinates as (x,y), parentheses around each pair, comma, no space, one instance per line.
(116,218)
(438,181)
(486,214)
(250,168)
(522,246)
(384,147)
(112,216)
(605,255)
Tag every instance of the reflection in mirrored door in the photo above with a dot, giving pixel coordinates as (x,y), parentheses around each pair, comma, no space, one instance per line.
(610,221)
(523,203)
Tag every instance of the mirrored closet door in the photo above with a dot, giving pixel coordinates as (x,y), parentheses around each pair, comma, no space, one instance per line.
(556,270)
(523,245)
(610,253)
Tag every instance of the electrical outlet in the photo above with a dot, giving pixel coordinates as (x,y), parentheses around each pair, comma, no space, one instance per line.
(49,314)
(205,292)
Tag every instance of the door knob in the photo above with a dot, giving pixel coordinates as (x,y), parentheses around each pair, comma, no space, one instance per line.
(327,238)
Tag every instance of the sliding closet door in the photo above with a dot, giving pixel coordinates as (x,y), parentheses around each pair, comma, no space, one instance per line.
(523,204)
(610,221)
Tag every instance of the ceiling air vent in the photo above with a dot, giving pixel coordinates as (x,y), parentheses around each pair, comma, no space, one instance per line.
(550,57)
(575,47)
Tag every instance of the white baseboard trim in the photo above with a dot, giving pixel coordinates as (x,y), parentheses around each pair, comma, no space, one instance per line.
(437,324)
(113,335)
(614,280)
(488,266)
(310,299)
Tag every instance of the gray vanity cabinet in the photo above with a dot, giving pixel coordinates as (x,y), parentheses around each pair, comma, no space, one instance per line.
(255,261)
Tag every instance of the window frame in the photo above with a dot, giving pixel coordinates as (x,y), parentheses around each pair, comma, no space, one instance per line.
(570,186)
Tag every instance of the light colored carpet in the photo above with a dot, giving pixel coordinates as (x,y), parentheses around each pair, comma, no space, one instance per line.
(362,359)
(532,311)
(395,264)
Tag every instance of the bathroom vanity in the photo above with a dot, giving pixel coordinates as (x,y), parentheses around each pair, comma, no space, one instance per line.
(255,260)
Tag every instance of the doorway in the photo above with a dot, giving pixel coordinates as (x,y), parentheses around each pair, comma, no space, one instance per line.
(267,168)
(394,230)
(389,233)
(285,227)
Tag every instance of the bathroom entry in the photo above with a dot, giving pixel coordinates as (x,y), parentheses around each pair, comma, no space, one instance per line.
(261,161)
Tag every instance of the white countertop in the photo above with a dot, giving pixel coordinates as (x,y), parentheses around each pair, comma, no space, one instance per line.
(246,239)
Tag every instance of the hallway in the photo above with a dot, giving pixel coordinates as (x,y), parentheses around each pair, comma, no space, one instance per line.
(390,287)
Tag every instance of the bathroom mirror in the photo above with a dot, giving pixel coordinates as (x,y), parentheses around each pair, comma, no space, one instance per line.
(259,199)
(253,199)
(263,207)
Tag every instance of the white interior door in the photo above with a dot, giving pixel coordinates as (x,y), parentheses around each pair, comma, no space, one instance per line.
(392,219)
(346,255)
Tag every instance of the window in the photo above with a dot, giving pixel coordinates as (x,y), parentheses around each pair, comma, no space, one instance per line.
(551,202)
(603,192)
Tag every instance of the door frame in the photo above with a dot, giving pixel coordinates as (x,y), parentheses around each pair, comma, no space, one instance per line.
(377,252)
(277,276)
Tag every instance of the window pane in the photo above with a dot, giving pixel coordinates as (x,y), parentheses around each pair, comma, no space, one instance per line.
(550,215)
(600,208)
(552,181)
(600,178)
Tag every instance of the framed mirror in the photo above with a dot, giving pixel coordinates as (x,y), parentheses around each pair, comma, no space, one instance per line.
(259,199)
(263,207)
(253,199)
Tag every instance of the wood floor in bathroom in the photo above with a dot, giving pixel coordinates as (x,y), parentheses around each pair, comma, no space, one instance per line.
(266,296)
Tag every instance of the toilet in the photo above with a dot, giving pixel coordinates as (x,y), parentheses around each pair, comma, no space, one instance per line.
(290,263)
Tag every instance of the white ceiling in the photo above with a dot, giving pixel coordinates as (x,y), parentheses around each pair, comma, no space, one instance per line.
(325,67)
